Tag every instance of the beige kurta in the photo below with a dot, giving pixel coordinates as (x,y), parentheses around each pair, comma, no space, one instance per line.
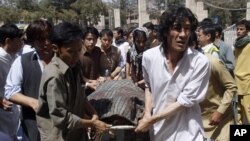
(242,77)
(242,69)
(219,97)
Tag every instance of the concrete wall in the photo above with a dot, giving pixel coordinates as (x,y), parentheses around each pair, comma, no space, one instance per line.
(142,11)
(197,7)
(117,17)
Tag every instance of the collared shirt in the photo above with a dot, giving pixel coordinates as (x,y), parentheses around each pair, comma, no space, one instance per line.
(91,63)
(15,76)
(25,49)
(5,62)
(61,103)
(226,54)
(242,69)
(222,87)
(124,47)
(187,85)
(8,119)
(221,91)
(110,60)
(211,49)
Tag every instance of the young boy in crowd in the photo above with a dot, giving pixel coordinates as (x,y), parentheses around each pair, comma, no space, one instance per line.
(63,109)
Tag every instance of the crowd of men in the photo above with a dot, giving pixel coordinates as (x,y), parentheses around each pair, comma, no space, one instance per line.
(191,78)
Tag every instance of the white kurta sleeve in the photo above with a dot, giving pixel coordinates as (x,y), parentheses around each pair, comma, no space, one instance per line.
(196,89)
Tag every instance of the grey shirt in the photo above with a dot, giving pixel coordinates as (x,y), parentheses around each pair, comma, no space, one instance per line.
(61,100)
(8,119)
(226,55)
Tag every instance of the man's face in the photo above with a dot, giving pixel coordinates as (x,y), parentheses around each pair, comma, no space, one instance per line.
(70,53)
(202,38)
(90,42)
(106,42)
(115,34)
(130,38)
(43,46)
(241,30)
(179,36)
(140,43)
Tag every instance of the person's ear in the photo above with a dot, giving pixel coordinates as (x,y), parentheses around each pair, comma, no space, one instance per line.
(216,34)
(7,41)
(209,36)
(55,48)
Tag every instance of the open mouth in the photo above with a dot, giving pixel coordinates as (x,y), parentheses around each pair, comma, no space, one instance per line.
(181,42)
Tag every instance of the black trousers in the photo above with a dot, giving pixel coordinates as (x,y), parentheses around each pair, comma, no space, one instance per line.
(30,129)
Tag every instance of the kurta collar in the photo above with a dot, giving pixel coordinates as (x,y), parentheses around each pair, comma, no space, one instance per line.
(63,67)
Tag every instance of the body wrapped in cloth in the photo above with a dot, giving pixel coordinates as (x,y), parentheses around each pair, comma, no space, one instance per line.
(118,102)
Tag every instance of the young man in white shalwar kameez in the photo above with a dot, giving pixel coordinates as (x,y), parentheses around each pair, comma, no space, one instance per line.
(176,79)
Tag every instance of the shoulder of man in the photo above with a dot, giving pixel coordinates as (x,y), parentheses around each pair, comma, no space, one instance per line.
(27,56)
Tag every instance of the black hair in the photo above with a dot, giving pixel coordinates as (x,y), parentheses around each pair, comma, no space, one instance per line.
(130,30)
(65,33)
(10,31)
(119,31)
(244,22)
(149,25)
(107,32)
(139,33)
(193,40)
(208,29)
(38,30)
(175,14)
(156,28)
(206,21)
(218,28)
(91,30)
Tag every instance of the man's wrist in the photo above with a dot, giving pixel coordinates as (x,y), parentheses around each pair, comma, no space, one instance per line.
(95,116)
(155,119)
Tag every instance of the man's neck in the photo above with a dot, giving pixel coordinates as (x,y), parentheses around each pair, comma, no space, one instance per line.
(46,58)
(8,50)
(106,50)
(208,43)
(88,50)
(153,40)
(242,36)
(174,56)
(216,40)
